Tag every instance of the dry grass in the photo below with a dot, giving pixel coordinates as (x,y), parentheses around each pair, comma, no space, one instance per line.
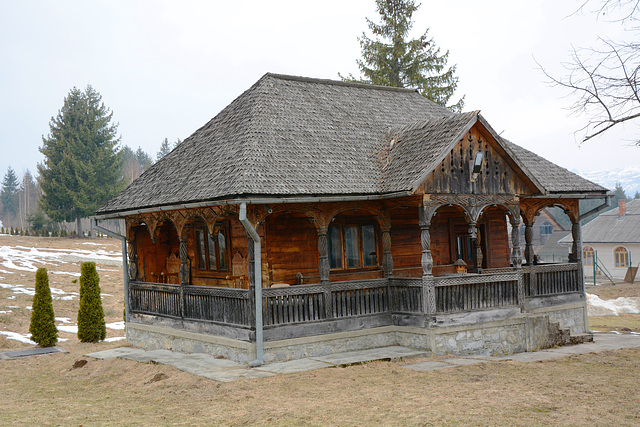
(594,389)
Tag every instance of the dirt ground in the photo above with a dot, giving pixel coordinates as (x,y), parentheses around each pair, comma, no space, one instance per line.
(594,389)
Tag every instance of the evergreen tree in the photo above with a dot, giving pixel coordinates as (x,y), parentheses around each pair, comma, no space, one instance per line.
(165,149)
(144,160)
(9,193)
(637,195)
(43,327)
(91,326)
(393,59)
(82,168)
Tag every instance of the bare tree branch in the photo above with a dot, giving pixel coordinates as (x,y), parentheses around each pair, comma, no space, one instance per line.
(604,80)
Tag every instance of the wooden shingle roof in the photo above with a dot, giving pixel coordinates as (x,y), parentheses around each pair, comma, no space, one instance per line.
(292,136)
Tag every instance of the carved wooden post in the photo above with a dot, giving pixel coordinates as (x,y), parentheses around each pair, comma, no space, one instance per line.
(428,282)
(132,253)
(516,259)
(516,255)
(576,249)
(323,250)
(528,245)
(184,262)
(477,248)
(387,259)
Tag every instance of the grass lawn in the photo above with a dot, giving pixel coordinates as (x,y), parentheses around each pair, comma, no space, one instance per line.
(592,389)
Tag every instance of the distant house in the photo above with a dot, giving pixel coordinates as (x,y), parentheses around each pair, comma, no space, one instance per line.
(312,216)
(614,237)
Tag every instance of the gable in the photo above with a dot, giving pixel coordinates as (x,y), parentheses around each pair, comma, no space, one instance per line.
(498,174)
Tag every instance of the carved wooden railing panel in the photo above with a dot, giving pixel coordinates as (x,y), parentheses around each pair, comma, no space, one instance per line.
(476,292)
(223,305)
(552,279)
(154,298)
(405,294)
(359,297)
(217,304)
(301,303)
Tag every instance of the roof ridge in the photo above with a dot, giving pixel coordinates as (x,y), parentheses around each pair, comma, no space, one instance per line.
(338,82)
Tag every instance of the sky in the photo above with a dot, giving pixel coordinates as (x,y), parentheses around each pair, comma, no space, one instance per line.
(165,68)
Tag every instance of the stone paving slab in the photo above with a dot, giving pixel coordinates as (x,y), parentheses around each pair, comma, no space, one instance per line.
(114,352)
(31,352)
(392,353)
(430,366)
(234,374)
(153,356)
(462,361)
(294,366)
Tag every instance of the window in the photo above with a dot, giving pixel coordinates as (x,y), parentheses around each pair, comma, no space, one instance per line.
(546,228)
(621,257)
(212,249)
(352,246)
(587,256)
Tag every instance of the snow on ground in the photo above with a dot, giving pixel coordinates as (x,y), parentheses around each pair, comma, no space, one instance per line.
(18,337)
(23,258)
(56,294)
(612,307)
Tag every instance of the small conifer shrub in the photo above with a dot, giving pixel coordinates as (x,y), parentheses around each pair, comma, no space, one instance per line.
(91,326)
(43,327)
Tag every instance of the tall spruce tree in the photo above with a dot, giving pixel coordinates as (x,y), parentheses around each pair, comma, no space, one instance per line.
(393,59)
(82,168)
(9,193)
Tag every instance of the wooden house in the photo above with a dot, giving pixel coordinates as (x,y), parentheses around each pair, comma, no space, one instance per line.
(312,216)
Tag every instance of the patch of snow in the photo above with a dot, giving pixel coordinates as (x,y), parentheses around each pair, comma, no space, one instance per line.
(599,307)
(114,339)
(5,312)
(18,337)
(13,306)
(29,307)
(115,325)
(72,329)
(92,243)
(65,272)
(63,319)
(11,297)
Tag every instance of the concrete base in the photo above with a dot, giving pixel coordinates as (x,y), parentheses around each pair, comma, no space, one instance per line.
(488,333)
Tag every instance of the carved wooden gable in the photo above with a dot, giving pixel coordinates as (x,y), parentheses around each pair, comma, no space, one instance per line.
(496,173)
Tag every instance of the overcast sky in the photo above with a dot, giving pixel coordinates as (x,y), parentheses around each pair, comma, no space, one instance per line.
(165,68)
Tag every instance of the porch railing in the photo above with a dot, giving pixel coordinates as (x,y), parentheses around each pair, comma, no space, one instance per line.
(206,303)
(343,300)
(552,279)
(476,292)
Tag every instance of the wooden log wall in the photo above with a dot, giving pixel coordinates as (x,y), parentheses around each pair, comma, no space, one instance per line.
(292,248)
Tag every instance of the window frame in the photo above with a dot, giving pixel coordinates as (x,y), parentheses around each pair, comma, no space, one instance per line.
(588,253)
(225,229)
(342,224)
(620,257)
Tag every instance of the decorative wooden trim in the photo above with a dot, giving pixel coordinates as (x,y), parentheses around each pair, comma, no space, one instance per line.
(473,205)
(530,208)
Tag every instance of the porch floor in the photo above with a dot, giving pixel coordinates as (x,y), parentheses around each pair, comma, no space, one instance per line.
(226,370)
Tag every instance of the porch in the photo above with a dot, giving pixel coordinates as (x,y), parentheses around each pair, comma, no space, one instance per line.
(501,303)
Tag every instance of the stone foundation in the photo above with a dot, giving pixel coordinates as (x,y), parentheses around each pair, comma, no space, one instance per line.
(523,332)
